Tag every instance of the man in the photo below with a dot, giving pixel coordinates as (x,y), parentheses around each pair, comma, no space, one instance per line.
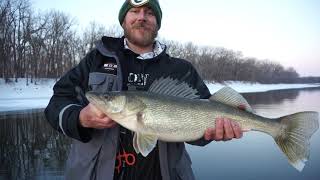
(102,149)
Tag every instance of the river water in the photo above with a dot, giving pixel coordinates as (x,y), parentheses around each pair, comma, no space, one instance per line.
(31,149)
(256,155)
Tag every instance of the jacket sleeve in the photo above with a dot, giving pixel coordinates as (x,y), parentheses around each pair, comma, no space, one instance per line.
(197,82)
(68,99)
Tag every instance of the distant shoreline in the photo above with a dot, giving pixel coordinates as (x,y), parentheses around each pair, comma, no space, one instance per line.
(18,96)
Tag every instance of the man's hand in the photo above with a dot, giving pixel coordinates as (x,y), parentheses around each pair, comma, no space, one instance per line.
(91,117)
(225,129)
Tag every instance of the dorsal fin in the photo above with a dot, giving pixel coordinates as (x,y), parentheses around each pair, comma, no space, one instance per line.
(173,87)
(229,96)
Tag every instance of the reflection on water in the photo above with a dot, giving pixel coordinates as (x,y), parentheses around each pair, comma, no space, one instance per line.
(271,97)
(282,102)
(256,155)
(30,148)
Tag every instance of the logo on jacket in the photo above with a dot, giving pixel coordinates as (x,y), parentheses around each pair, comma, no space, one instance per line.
(138,79)
(110,66)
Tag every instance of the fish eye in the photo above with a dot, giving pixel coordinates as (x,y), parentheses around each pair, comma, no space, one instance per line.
(107,97)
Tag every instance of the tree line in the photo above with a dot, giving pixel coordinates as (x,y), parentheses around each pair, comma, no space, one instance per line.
(221,64)
(42,45)
(46,45)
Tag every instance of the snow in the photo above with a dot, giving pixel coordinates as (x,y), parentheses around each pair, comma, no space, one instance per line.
(247,87)
(18,96)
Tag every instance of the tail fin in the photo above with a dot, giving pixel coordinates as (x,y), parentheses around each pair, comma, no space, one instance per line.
(294,136)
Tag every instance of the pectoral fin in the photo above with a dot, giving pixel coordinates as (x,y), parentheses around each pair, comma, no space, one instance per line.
(143,143)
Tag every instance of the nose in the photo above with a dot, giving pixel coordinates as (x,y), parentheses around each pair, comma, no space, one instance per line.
(141,15)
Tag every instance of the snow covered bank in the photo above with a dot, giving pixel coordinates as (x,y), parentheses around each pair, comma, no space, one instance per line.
(20,90)
(245,87)
(16,96)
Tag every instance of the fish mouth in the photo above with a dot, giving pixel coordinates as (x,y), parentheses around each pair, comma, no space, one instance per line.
(92,96)
(109,102)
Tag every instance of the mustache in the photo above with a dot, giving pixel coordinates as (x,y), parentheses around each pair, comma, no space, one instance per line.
(139,25)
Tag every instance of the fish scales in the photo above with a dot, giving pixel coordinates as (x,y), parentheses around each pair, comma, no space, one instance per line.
(155,116)
(174,118)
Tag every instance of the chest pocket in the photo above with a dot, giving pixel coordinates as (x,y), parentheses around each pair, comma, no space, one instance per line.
(103,82)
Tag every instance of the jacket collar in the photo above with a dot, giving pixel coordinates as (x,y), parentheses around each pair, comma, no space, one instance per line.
(109,46)
(158,48)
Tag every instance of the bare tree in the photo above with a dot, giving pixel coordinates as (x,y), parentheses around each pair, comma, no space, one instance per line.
(49,44)
(59,32)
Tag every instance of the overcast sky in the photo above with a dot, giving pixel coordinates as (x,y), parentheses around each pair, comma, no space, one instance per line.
(284,31)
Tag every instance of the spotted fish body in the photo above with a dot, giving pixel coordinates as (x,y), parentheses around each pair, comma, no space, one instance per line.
(175,119)
(177,115)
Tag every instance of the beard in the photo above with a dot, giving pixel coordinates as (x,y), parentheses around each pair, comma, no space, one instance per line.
(140,33)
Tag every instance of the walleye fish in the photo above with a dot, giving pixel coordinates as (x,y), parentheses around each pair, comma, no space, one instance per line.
(171,111)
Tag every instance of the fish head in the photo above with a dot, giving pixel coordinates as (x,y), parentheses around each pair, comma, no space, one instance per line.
(109,103)
(116,102)
(124,108)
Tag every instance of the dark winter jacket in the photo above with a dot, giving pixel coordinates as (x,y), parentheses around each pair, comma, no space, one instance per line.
(112,67)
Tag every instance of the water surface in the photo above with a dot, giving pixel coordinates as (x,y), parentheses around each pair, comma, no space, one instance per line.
(31,149)
(256,155)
